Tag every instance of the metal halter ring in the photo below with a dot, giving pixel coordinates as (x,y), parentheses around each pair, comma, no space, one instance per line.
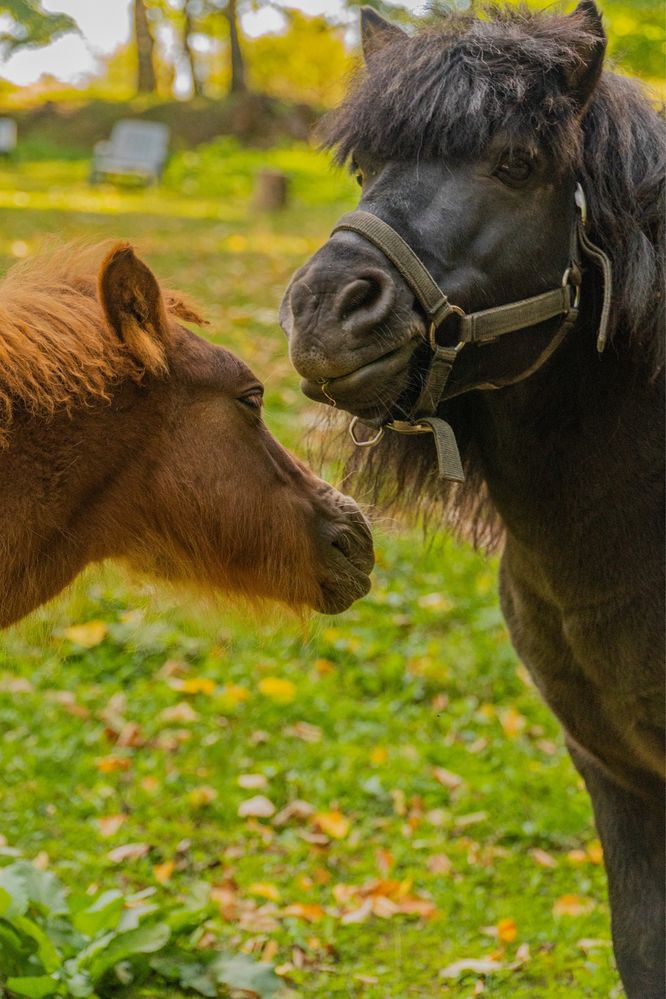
(371,441)
(434,326)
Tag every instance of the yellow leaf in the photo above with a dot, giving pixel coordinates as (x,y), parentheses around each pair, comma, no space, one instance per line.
(572,905)
(311,912)
(199,797)
(264,889)
(379,755)
(512,722)
(507,930)
(110,824)
(279,690)
(595,852)
(334,824)
(197,685)
(164,871)
(88,635)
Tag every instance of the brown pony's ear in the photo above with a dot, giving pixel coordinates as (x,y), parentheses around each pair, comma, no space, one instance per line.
(376,31)
(583,74)
(134,308)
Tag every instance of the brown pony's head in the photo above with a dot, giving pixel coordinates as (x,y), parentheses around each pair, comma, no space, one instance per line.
(131,437)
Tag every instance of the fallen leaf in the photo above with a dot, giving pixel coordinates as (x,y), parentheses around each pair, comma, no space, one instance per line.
(446,778)
(572,905)
(110,824)
(296,809)
(542,858)
(379,755)
(130,851)
(595,852)
(512,722)
(180,714)
(587,944)
(201,796)
(195,685)
(258,807)
(439,863)
(233,694)
(333,824)
(252,782)
(479,967)
(265,889)
(507,930)
(87,635)
(163,872)
(279,690)
(111,764)
(303,730)
(309,911)
(358,915)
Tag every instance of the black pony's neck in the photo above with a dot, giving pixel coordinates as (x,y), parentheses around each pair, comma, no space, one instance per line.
(560,450)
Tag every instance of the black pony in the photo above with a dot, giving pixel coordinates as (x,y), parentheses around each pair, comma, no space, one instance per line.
(475,141)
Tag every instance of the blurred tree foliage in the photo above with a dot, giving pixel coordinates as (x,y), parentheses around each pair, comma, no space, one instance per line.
(29,25)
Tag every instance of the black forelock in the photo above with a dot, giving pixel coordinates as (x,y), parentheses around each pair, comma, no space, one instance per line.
(447,91)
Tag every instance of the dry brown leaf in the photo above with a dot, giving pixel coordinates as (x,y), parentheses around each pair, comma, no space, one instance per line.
(447,779)
(303,730)
(110,824)
(258,807)
(129,851)
(252,782)
(309,911)
(482,966)
(572,905)
(542,858)
(333,824)
(180,714)
(439,863)
(297,810)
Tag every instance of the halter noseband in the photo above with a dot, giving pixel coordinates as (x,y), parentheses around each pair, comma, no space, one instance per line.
(477,328)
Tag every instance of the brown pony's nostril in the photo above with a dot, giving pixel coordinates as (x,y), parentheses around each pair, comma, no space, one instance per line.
(365,302)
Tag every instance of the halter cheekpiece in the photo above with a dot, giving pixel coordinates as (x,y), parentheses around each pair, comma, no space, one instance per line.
(476,328)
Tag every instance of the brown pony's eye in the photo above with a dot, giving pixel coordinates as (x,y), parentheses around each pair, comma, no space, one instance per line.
(514,168)
(254,398)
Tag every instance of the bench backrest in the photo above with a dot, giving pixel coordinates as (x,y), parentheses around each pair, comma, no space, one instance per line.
(143,141)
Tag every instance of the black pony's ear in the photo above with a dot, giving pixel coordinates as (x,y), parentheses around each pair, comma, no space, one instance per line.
(584,72)
(376,31)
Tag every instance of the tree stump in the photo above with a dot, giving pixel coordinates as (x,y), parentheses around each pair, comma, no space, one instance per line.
(271,189)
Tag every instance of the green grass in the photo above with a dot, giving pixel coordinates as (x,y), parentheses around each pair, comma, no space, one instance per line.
(419,675)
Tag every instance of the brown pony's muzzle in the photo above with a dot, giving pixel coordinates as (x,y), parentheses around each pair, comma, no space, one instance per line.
(344,550)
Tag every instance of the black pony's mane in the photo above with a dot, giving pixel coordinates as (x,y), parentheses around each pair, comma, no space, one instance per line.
(443,94)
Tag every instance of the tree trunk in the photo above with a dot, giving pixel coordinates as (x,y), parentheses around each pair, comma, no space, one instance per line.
(238,84)
(146,82)
(197,88)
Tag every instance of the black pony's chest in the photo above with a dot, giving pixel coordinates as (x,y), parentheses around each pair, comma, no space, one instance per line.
(598,663)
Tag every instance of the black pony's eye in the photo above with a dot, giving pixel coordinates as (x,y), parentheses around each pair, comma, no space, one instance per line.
(514,168)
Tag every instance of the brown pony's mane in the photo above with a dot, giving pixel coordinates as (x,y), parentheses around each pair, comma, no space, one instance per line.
(57,351)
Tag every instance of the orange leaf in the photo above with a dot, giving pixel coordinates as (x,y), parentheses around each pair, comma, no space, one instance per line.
(110,764)
(311,912)
(507,930)
(110,824)
(572,905)
(164,871)
(334,824)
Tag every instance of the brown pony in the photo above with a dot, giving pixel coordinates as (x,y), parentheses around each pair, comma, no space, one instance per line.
(123,435)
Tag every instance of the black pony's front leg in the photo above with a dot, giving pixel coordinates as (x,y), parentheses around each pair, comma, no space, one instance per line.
(632,832)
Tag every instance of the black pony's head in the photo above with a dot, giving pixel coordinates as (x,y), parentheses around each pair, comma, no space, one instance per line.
(468,139)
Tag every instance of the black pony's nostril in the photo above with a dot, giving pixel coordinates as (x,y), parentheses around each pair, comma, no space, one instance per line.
(360,294)
(365,302)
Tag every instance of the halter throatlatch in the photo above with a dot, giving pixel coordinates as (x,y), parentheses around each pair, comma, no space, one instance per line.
(477,328)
